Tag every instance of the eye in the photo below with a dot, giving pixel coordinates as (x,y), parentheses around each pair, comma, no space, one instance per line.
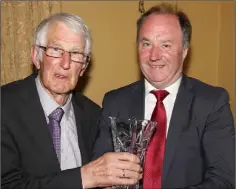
(77,56)
(166,46)
(146,44)
(56,49)
(76,53)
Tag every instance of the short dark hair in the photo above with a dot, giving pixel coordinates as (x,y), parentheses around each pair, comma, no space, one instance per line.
(168,9)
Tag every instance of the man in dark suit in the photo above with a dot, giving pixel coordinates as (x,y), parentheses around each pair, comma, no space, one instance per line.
(193,145)
(48,130)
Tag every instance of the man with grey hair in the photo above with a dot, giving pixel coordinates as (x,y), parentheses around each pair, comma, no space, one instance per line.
(48,129)
(193,146)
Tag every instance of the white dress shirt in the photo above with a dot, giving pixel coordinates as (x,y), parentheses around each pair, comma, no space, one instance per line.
(169,101)
(70,152)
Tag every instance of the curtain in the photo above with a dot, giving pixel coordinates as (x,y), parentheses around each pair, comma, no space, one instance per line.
(19,20)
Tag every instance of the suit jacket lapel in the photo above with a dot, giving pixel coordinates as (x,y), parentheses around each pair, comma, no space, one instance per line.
(136,109)
(83,135)
(179,119)
(37,124)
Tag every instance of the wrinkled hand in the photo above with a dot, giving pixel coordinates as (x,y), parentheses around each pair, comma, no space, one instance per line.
(114,168)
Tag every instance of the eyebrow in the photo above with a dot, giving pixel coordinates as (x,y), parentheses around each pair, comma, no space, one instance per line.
(54,44)
(167,40)
(76,49)
(73,49)
(144,39)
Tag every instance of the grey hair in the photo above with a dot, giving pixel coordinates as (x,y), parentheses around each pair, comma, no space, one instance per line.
(75,23)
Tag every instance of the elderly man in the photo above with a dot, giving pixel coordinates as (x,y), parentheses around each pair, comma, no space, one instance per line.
(48,129)
(194,143)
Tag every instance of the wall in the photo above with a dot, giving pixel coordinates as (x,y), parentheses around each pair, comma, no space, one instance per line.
(113,26)
(226,55)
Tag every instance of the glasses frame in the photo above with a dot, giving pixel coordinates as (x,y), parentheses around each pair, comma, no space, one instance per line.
(84,64)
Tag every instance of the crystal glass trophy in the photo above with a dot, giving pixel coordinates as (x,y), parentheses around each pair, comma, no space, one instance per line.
(131,135)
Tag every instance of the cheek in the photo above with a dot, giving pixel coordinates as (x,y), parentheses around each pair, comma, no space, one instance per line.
(75,74)
(48,70)
(175,63)
(143,55)
(49,65)
(171,56)
(45,70)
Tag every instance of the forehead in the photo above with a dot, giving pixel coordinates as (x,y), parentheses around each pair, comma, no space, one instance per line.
(160,24)
(59,33)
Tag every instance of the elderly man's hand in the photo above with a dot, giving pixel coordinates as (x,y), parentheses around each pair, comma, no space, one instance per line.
(114,168)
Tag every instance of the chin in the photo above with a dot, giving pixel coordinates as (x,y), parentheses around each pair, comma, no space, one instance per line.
(62,90)
(157,79)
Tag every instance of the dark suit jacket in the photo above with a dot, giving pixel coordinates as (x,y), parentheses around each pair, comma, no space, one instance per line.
(28,158)
(200,146)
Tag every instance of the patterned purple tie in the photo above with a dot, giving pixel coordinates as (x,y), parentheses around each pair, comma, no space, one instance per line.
(54,124)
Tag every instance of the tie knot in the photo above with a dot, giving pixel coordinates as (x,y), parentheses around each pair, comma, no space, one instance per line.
(160,94)
(56,114)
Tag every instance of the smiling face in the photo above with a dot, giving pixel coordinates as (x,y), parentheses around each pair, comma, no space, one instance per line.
(60,75)
(160,50)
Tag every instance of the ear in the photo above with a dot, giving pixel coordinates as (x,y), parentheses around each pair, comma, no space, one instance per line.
(35,56)
(185,52)
(82,72)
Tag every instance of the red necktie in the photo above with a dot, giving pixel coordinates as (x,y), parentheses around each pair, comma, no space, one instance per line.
(156,148)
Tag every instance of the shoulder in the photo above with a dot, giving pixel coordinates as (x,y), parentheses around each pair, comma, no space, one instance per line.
(125,90)
(15,96)
(205,90)
(17,89)
(13,87)
(19,85)
(208,96)
(123,95)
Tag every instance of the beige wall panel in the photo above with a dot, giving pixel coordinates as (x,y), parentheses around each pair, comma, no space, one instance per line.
(204,46)
(227,67)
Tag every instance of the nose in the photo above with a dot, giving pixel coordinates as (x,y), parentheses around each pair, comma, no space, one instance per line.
(155,53)
(65,61)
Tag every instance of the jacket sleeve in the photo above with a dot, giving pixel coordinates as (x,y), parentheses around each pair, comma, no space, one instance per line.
(219,147)
(103,143)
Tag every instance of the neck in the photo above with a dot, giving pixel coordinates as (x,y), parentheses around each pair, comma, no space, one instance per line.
(61,99)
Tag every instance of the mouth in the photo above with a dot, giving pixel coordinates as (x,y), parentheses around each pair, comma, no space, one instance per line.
(59,76)
(157,66)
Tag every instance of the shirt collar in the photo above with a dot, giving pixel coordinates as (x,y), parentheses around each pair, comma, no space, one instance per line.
(48,103)
(172,89)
